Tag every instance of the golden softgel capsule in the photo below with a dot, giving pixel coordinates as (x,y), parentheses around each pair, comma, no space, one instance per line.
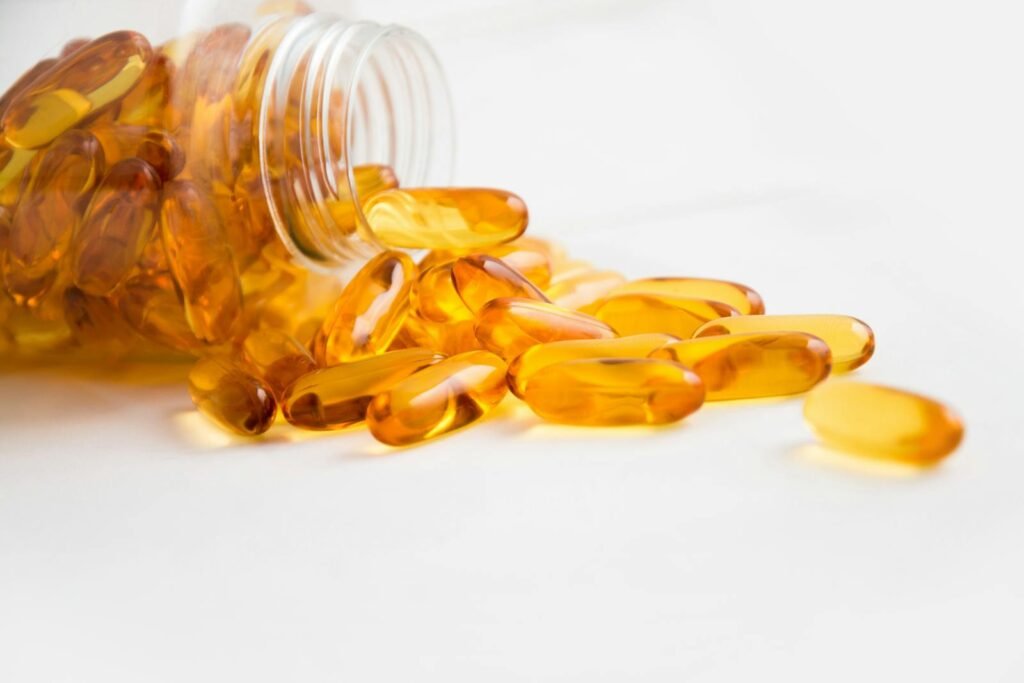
(436,298)
(580,288)
(231,397)
(742,298)
(480,279)
(754,365)
(439,399)
(337,397)
(852,342)
(510,326)
(614,391)
(883,422)
(277,358)
(642,313)
(446,218)
(536,358)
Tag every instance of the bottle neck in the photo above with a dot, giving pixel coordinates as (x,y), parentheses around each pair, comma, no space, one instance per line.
(340,100)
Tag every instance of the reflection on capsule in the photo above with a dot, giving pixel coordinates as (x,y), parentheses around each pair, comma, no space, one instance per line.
(231,397)
(510,326)
(480,279)
(742,298)
(640,313)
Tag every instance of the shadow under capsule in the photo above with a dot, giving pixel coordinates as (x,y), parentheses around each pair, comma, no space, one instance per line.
(862,465)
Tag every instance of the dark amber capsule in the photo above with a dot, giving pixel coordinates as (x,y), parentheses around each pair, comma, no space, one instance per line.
(95,321)
(852,342)
(201,261)
(23,82)
(149,303)
(614,391)
(883,422)
(277,358)
(436,298)
(155,146)
(754,365)
(445,218)
(145,104)
(77,87)
(510,326)
(337,397)
(15,165)
(231,397)
(51,207)
(536,358)
(369,312)
(438,399)
(116,227)
(641,313)
(480,279)
(742,298)
(5,231)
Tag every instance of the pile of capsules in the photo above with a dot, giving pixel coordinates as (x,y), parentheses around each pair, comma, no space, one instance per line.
(133,220)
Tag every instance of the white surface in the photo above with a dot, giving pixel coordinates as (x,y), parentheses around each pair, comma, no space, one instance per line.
(849,157)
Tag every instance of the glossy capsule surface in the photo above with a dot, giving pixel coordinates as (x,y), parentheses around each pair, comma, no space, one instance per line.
(338,396)
(369,312)
(116,227)
(480,279)
(149,303)
(510,326)
(450,338)
(155,146)
(754,365)
(641,313)
(277,358)
(438,399)
(883,422)
(742,298)
(852,342)
(80,85)
(436,298)
(231,397)
(446,218)
(536,358)
(201,260)
(369,179)
(614,391)
(580,288)
(531,257)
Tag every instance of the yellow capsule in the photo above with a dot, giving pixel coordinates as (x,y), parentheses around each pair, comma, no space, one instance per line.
(155,146)
(116,227)
(614,391)
(754,365)
(534,359)
(337,397)
(231,397)
(48,213)
(370,179)
(277,358)
(369,312)
(201,261)
(579,288)
(446,218)
(450,338)
(150,305)
(510,326)
(439,399)
(742,298)
(852,342)
(436,298)
(640,313)
(883,422)
(528,256)
(79,86)
(480,279)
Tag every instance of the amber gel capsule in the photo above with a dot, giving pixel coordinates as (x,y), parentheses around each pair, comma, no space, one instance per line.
(510,326)
(755,365)
(883,422)
(640,313)
(536,358)
(852,342)
(231,397)
(480,279)
(581,288)
(445,218)
(369,312)
(742,298)
(277,358)
(150,305)
(439,399)
(337,397)
(436,298)
(614,391)
(530,257)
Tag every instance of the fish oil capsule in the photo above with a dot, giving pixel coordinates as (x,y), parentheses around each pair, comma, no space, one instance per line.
(754,365)
(510,326)
(96,321)
(145,104)
(369,179)
(446,218)
(640,313)
(614,391)
(883,422)
(155,146)
(277,358)
(231,397)
(438,399)
(742,298)
(201,261)
(149,303)
(79,86)
(15,165)
(25,80)
(852,342)
(369,312)
(436,298)
(480,279)
(338,396)
(528,256)
(450,338)
(536,358)
(42,225)
(116,227)
(577,289)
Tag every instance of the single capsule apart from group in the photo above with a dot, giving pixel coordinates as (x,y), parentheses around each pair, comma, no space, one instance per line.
(231,397)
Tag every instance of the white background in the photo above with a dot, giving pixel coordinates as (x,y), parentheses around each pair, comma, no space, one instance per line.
(863,158)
